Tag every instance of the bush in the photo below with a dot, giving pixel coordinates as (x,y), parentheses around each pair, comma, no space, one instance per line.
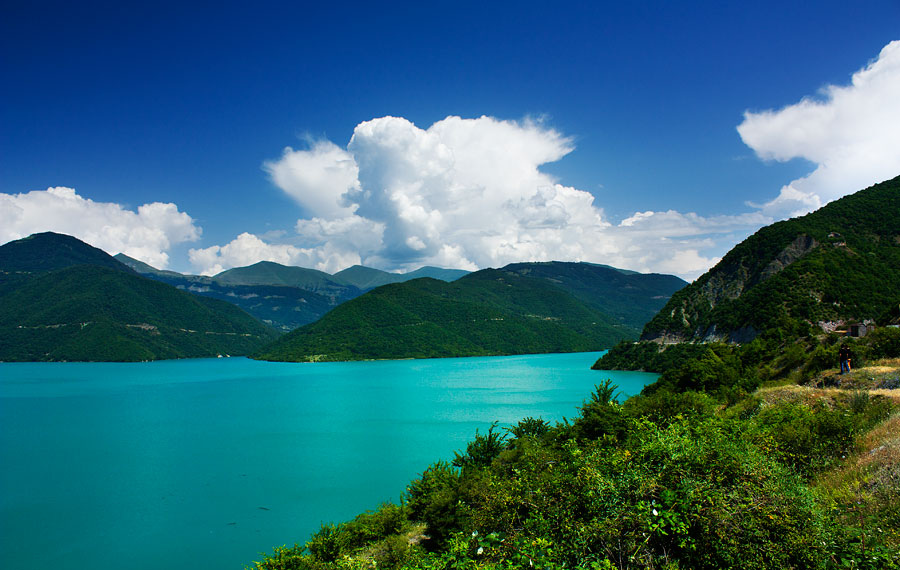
(884,343)
(285,558)
(665,406)
(601,415)
(434,499)
(482,450)
(529,427)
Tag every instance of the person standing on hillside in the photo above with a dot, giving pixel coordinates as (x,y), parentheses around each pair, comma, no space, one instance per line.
(845,356)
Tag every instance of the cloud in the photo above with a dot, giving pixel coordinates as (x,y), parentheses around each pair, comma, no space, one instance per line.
(316,178)
(147,234)
(470,193)
(850,132)
(247,249)
(465,193)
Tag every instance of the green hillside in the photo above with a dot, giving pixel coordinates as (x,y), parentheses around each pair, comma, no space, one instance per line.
(97,314)
(632,298)
(78,303)
(49,251)
(145,268)
(777,304)
(838,264)
(485,313)
(270,273)
(366,278)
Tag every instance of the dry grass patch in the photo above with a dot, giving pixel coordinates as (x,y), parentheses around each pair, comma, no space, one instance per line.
(866,488)
(879,377)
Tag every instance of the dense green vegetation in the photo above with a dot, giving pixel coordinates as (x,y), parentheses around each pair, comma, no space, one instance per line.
(49,251)
(739,456)
(271,273)
(281,296)
(689,474)
(840,263)
(489,312)
(632,298)
(282,307)
(98,314)
(103,311)
(366,278)
(796,355)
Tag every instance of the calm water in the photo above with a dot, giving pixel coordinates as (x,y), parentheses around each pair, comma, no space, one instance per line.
(207,463)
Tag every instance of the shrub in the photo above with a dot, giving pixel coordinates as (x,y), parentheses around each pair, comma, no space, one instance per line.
(482,450)
(884,343)
(601,415)
(434,499)
(529,427)
(285,558)
(665,406)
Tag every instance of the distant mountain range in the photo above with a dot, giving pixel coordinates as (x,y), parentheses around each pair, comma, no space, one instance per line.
(282,296)
(522,308)
(61,299)
(65,300)
(837,265)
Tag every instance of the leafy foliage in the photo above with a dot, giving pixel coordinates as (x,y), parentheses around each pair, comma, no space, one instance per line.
(711,488)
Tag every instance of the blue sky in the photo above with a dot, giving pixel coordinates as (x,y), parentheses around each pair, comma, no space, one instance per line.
(602,132)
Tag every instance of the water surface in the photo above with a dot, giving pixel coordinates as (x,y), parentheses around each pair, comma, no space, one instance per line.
(207,463)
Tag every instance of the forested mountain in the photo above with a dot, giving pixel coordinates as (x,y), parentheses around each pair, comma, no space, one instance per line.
(367,278)
(838,264)
(49,251)
(632,298)
(505,311)
(61,299)
(280,306)
(282,296)
(271,273)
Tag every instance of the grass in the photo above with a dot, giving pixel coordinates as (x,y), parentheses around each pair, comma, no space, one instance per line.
(866,487)
(881,377)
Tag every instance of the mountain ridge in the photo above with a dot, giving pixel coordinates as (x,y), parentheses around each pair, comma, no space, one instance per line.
(488,312)
(79,303)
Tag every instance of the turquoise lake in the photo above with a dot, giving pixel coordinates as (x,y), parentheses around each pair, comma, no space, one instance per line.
(207,463)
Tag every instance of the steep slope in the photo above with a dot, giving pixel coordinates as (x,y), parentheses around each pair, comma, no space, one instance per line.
(836,265)
(69,310)
(485,313)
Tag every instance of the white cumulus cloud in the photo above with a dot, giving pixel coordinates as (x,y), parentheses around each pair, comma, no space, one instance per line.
(850,132)
(316,178)
(465,193)
(146,234)
(247,249)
